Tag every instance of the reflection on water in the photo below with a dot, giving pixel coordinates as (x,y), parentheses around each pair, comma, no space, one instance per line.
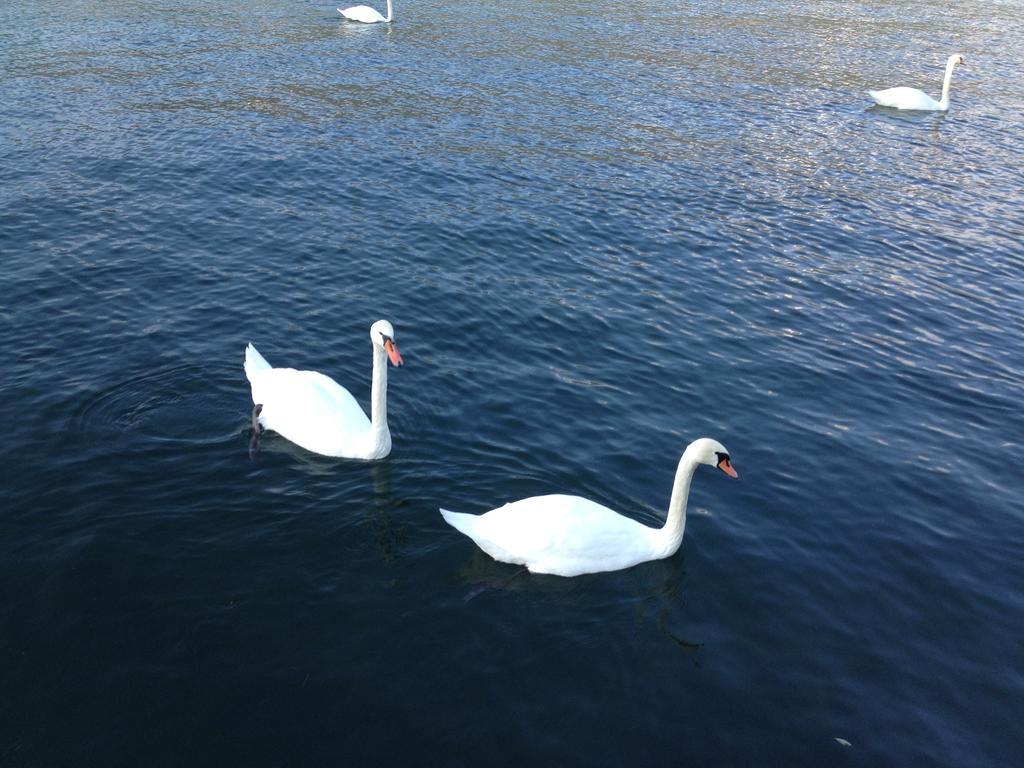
(384,520)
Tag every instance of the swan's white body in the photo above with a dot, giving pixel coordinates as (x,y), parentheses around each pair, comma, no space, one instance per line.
(911,98)
(366,14)
(570,535)
(314,411)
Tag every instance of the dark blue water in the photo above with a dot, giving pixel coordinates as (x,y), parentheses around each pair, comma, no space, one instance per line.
(601,232)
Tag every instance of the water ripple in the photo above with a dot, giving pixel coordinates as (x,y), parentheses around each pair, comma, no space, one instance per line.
(177,404)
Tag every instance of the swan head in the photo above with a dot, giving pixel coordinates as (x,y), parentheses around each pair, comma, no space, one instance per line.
(382,334)
(713,453)
(956,58)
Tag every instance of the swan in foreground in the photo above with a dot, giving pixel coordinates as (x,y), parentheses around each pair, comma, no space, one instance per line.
(366,14)
(570,535)
(911,98)
(317,413)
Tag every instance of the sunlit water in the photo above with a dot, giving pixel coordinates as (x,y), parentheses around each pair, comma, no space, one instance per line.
(601,231)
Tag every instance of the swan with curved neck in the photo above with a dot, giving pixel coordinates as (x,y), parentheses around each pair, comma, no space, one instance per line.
(315,412)
(911,98)
(570,535)
(366,14)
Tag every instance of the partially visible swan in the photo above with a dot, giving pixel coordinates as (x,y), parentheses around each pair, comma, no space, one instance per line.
(366,14)
(317,413)
(911,98)
(570,535)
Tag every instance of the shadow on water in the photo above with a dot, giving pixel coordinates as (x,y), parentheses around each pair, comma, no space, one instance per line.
(358,28)
(273,444)
(909,115)
(664,595)
(905,113)
(657,593)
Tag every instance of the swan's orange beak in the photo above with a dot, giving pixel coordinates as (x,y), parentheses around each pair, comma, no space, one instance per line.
(726,466)
(392,349)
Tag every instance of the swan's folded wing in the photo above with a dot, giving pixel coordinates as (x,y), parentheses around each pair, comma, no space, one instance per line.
(310,409)
(903,97)
(565,535)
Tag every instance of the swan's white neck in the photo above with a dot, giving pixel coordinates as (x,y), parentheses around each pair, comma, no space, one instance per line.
(670,536)
(944,99)
(391,14)
(380,435)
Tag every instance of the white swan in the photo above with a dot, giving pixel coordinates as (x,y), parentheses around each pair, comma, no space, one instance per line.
(570,535)
(317,413)
(911,98)
(366,14)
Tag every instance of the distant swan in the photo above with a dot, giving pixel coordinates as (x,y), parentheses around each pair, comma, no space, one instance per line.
(570,535)
(317,413)
(911,98)
(366,14)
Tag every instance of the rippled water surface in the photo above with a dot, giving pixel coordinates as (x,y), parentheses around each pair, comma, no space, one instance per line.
(601,231)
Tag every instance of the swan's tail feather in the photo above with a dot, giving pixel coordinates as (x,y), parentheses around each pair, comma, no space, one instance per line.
(460,521)
(254,362)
